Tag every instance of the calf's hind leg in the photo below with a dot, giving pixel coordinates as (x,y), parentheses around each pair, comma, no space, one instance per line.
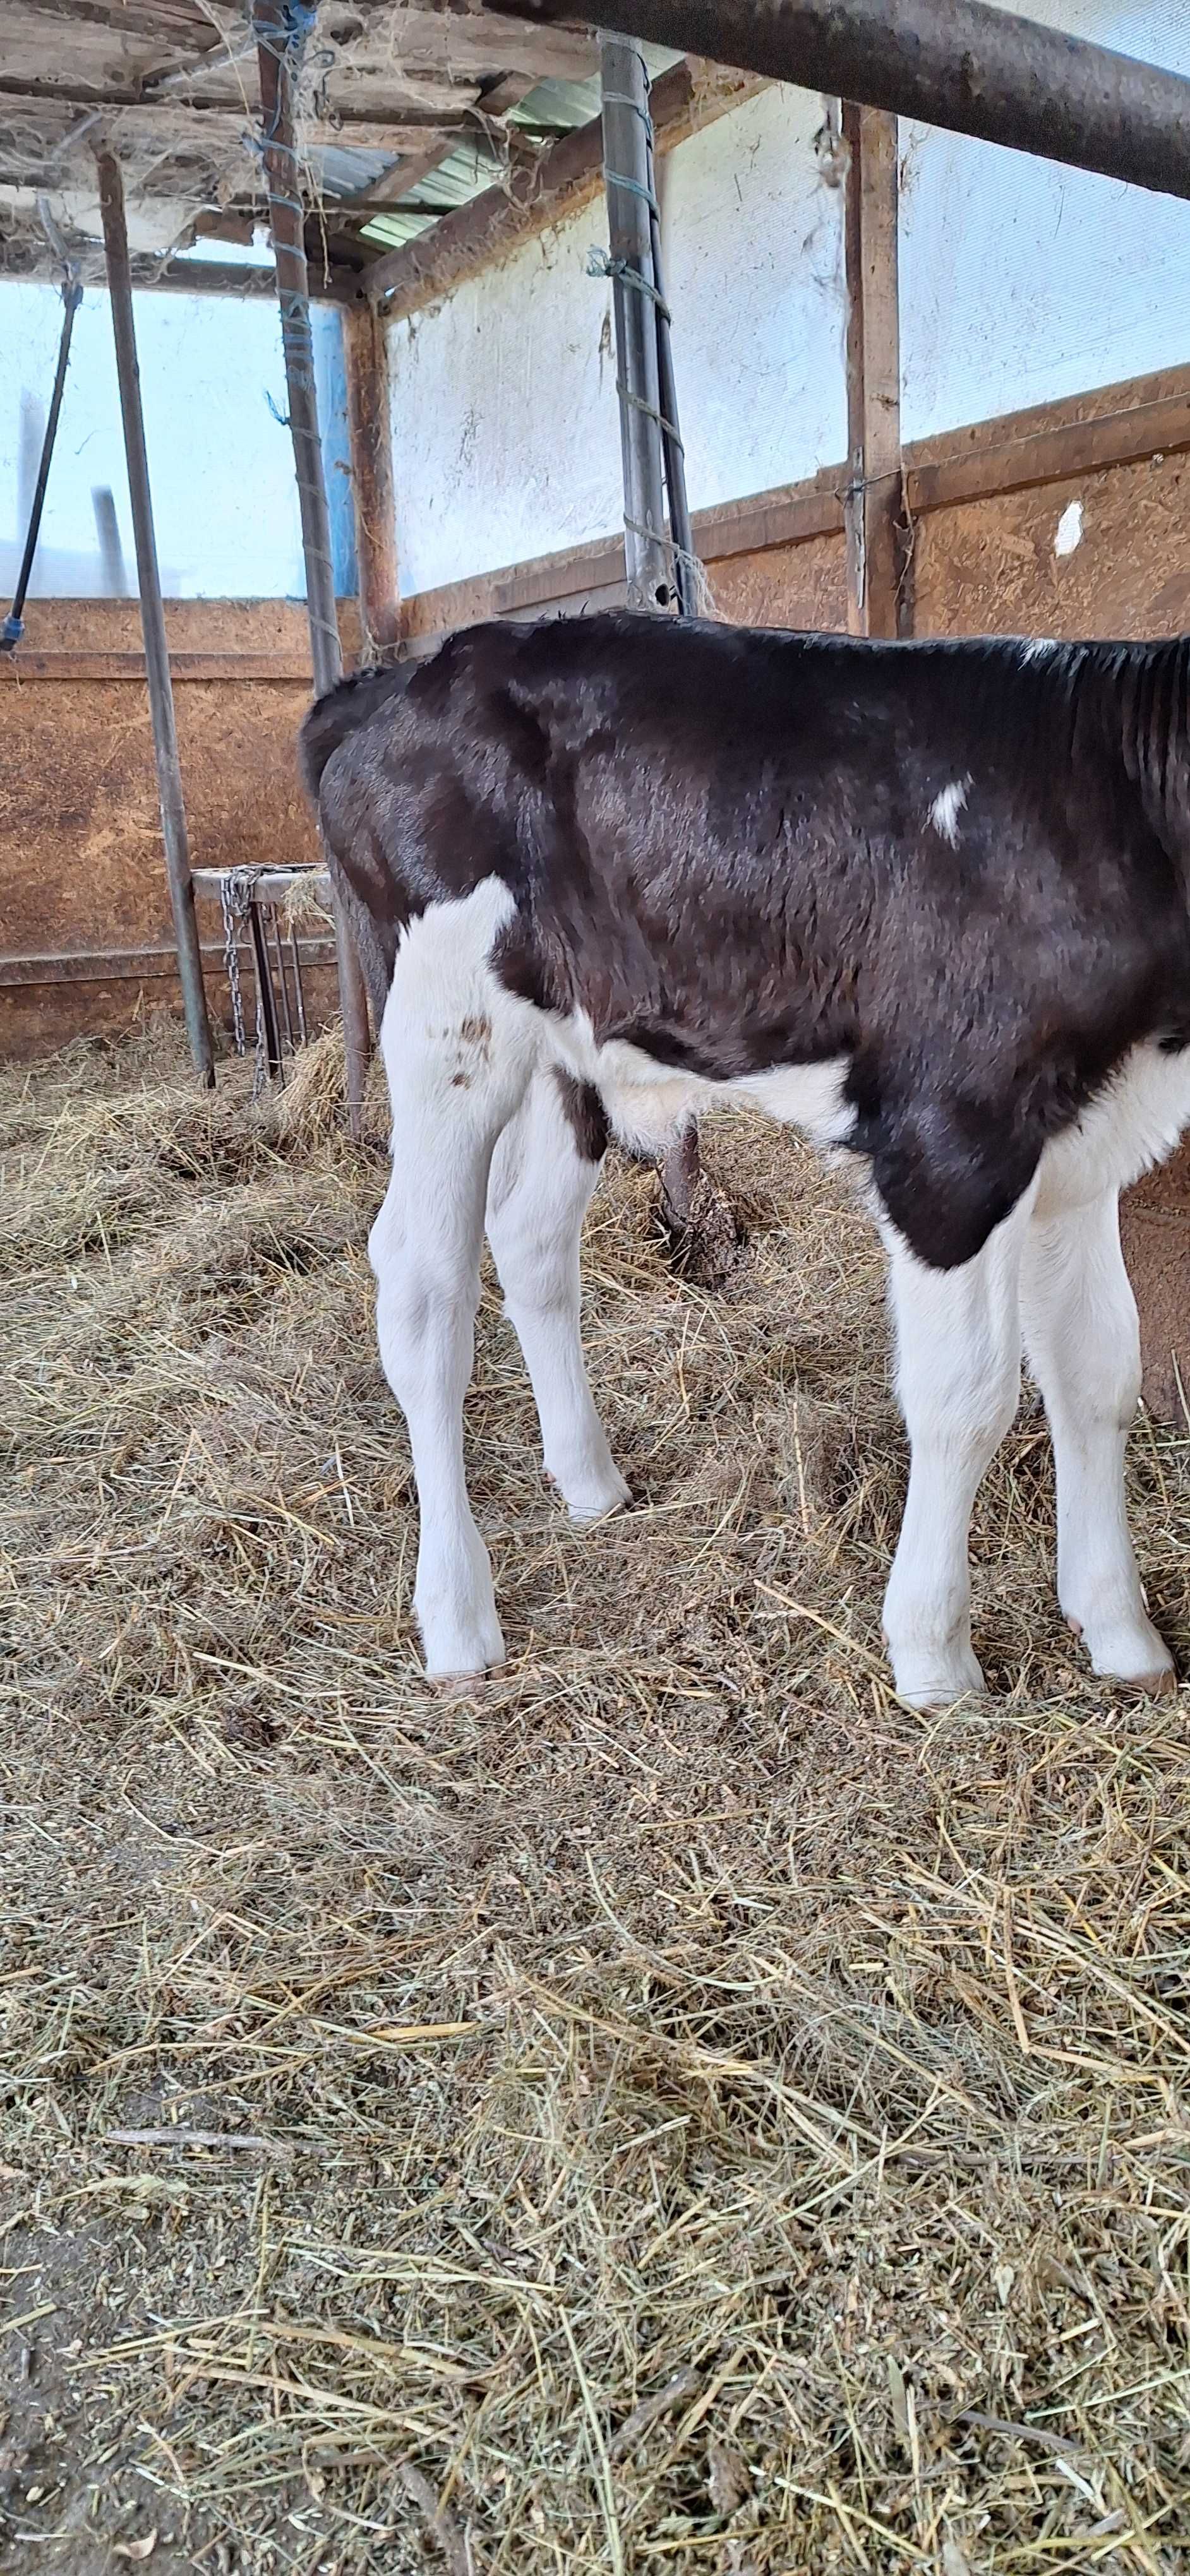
(1083,1342)
(543,1173)
(455,1079)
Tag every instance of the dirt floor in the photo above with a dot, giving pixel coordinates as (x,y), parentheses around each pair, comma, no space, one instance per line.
(671,2112)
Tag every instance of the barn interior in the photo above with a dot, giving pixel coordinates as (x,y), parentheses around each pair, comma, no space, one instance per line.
(671,2107)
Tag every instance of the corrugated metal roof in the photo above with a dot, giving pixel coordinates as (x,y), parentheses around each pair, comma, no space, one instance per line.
(552,107)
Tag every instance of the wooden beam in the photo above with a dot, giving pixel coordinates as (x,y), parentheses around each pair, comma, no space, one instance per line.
(372,127)
(1123,424)
(875,506)
(1046,452)
(369,430)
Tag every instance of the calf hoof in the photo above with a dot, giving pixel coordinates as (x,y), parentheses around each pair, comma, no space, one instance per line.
(1129,1650)
(592,1492)
(597,1501)
(460,1632)
(464,1656)
(932,1678)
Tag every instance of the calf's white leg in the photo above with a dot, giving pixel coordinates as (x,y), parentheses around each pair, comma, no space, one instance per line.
(457,1067)
(958,1343)
(538,1195)
(1083,1342)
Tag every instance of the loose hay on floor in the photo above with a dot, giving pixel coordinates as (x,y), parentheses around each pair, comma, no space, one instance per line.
(671,2111)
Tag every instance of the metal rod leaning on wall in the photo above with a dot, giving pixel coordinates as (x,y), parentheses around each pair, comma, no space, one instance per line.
(161,696)
(685,570)
(957,63)
(280,28)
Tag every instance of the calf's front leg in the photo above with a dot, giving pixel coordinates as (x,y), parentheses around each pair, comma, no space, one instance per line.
(1083,1342)
(958,1356)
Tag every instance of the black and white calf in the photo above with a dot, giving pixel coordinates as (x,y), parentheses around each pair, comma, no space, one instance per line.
(928,902)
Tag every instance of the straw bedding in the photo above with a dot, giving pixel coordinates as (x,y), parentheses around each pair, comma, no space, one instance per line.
(669,2112)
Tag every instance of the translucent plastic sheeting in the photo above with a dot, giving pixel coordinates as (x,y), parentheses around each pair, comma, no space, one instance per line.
(1023,282)
(220,460)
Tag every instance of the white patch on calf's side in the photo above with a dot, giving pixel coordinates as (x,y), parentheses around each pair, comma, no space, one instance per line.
(647,1103)
(809,1096)
(1069,531)
(947,807)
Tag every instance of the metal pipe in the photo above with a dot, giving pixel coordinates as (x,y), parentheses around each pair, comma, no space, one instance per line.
(273,932)
(277,28)
(72,296)
(956,63)
(673,452)
(625,109)
(264,990)
(152,614)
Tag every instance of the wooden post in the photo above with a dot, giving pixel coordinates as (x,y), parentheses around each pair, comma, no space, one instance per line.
(152,615)
(875,504)
(277,31)
(369,430)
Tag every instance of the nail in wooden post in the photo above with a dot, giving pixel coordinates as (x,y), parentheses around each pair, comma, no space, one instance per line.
(161,696)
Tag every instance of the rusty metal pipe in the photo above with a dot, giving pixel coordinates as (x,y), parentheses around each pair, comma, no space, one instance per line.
(152,615)
(956,63)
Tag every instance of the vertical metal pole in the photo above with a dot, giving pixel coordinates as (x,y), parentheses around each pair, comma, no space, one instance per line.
(152,614)
(650,443)
(279,26)
(369,430)
(625,110)
(680,529)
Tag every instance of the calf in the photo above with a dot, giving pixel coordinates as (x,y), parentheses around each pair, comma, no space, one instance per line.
(930,903)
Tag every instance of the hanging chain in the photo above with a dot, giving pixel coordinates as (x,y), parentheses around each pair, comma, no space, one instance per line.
(237,893)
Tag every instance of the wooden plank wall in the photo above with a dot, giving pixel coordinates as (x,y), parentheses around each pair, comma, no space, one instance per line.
(85,940)
(84,920)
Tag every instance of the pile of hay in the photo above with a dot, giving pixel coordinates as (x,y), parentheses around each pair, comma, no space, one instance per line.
(669,2113)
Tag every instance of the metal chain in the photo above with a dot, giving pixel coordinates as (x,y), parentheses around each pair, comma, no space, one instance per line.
(237,893)
(231,957)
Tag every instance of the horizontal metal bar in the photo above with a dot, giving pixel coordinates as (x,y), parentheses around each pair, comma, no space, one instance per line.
(291,669)
(131,965)
(269,885)
(957,63)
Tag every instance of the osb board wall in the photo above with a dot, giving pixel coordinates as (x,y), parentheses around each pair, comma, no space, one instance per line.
(991,566)
(82,871)
(803,585)
(81,868)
